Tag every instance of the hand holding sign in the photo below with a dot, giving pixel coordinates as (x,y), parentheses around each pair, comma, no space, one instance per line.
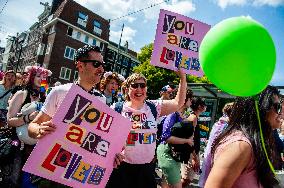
(88,136)
(238,56)
(45,128)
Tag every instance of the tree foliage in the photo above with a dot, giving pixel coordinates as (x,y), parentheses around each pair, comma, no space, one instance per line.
(158,77)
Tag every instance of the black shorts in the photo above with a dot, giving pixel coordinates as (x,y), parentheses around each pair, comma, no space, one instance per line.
(133,176)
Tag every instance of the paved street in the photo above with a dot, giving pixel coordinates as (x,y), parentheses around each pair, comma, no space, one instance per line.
(194,184)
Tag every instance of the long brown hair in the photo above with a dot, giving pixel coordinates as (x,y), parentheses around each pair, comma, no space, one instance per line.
(244,119)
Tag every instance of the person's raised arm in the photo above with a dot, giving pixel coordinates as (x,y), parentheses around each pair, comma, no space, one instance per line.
(170,106)
(229,165)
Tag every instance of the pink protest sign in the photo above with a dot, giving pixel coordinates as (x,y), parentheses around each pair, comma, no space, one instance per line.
(81,152)
(177,43)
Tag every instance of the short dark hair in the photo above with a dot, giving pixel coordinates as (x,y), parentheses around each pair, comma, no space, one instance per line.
(189,94)
(196,102)
(83,52)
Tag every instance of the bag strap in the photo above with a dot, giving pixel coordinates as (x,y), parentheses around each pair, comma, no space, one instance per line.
(152,108)
(119,105)
(5,93)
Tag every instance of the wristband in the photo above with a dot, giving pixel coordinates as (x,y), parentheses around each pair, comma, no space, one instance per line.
(24,118)
(29,118)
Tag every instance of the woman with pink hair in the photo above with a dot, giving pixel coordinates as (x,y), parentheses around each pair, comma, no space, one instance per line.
(25,105)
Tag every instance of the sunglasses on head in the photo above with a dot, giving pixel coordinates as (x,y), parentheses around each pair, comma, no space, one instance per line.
(278,107)
(136,85)
(95,63)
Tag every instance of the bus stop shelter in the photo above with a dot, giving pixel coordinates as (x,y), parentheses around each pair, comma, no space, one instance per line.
(215,99)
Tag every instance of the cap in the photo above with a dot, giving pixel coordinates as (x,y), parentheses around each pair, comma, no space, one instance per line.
(166,88)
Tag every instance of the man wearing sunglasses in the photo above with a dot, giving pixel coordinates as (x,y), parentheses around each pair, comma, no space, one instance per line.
(89,63)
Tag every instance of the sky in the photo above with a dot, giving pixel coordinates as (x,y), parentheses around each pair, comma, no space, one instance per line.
(140,28)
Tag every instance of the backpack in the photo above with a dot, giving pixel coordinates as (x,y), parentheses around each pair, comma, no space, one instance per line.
(181,152)
(119,106)
(160,130)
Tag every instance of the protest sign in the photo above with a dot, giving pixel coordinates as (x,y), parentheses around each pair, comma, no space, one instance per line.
(177,43)
(81,151)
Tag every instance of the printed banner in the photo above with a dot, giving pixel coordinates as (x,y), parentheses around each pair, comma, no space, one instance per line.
(81,152)
(206,119)
(177,43)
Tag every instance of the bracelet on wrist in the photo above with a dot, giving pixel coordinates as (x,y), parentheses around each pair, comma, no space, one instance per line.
(24,118)
(29,118)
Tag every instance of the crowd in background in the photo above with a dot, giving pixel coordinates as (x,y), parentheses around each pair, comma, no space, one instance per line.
(26,111)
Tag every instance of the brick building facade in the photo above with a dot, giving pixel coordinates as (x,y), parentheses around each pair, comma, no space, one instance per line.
(61,29)
(71,26)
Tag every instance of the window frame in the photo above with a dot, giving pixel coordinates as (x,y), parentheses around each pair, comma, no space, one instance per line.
(70,49)
(82,19)
(65,71)
(74,77)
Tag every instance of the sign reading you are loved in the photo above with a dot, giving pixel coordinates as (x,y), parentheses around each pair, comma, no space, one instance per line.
(81,151)
(177,43)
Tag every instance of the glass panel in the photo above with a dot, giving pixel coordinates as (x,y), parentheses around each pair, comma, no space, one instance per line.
(86,39)
(62,72)
(82,16)
(97,24)
(67,51)
(67,75)
(72,54)
(94,42)
(78,35)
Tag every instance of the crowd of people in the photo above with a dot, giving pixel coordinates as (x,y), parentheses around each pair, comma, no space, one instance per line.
(234,156)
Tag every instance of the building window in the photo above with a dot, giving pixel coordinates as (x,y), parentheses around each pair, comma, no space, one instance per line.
(75,76)
(134,64)
(78,36)
(82,19)
(52,29)
(123,72)
(70,31)
(87,39)
(97,27)
(102,46)
(47,49)
(125,62)
(97,24)
(110,55)
(65,73)
(69,53)
(94,42)
(40,49)
(98,43)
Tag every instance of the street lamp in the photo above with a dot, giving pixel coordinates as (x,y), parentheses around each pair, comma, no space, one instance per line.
(117,68)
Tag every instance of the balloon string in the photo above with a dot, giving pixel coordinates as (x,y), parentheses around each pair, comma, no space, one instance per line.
(262,139)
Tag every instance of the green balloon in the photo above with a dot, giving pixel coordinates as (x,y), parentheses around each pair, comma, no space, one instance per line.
(238,56)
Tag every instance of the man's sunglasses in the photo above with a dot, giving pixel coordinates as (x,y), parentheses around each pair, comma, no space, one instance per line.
(278,107)
(95,63)
(136,85)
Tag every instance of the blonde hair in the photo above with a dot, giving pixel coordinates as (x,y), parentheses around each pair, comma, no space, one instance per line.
(132,78)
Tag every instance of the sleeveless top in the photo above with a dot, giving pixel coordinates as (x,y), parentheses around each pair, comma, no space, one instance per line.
(248,178)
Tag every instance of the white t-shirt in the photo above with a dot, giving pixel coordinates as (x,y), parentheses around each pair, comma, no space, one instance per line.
(141,142)
(56,96)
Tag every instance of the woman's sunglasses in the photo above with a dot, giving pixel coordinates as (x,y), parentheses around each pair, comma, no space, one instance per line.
(278,107)
(95,63)
(136,85)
